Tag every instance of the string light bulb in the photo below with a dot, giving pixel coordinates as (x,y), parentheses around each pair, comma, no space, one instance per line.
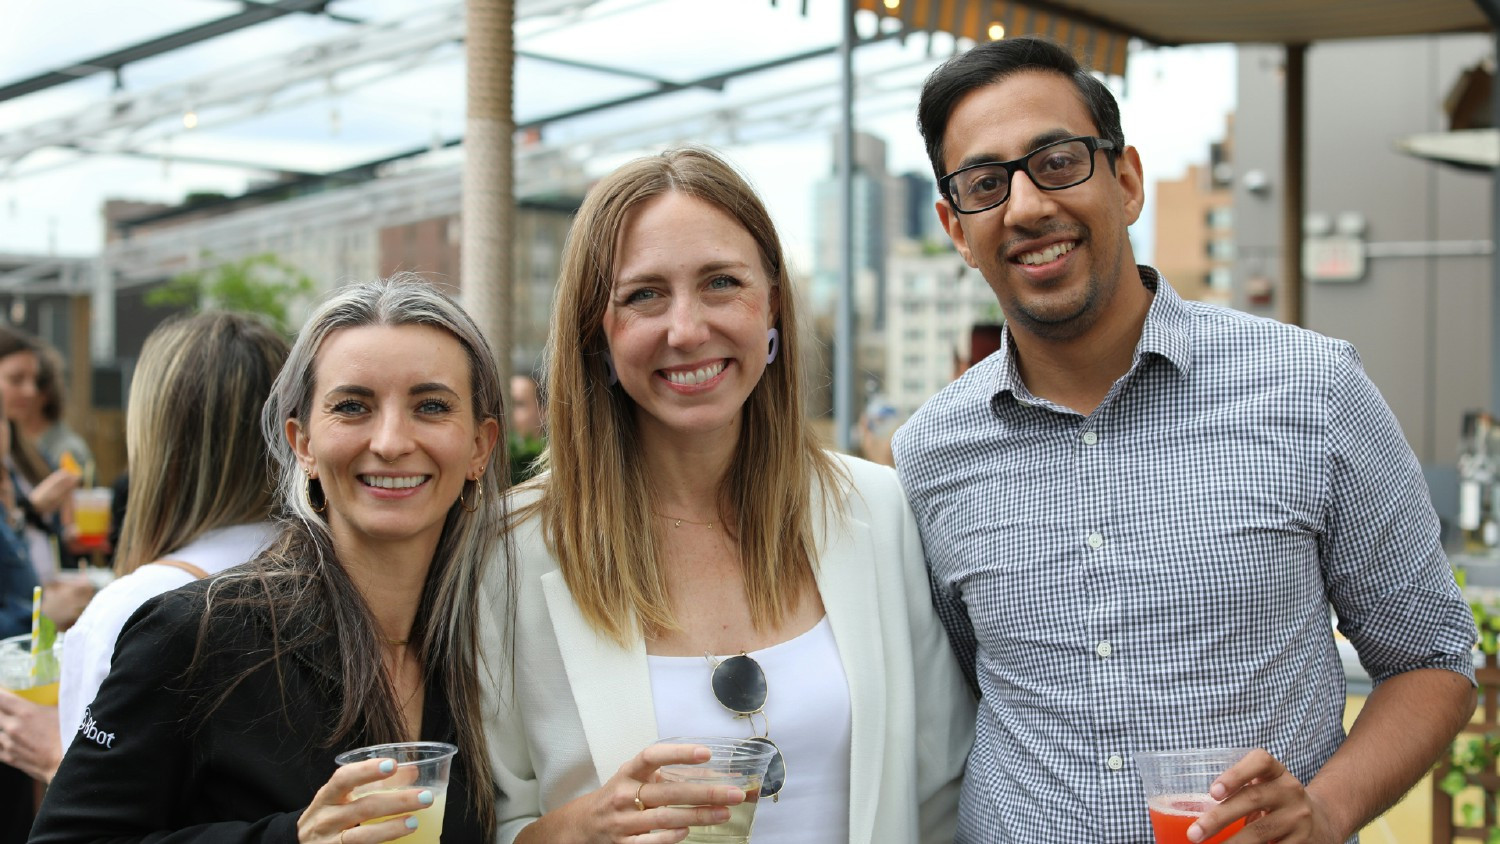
(190,119)
(996,30)
(893,5)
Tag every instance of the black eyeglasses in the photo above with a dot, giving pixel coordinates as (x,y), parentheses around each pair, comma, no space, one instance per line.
(1060,164)
(739,685)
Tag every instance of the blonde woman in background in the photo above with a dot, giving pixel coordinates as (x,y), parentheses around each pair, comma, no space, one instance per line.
(687,516)
(201,487)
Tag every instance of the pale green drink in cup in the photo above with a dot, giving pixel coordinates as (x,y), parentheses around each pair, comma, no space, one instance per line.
(420,765)
(736,762)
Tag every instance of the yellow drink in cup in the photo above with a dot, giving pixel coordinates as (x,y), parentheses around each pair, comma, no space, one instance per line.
(420,766)
(17,674)
(429,820)
(735,762)
(43,695)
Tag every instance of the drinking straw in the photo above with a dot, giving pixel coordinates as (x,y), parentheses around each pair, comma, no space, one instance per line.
(36,623)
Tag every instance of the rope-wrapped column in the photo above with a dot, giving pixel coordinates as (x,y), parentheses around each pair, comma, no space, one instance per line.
(489,202)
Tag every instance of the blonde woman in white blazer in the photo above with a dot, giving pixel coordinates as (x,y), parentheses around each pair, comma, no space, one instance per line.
(687,520)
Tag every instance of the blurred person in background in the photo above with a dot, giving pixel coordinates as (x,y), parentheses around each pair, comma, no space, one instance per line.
(43,493)
(205,507)
(525,410)
(686,517)
(876,424)
(229,698)
(203,502)
(17,582)
(527,428)
(41,420)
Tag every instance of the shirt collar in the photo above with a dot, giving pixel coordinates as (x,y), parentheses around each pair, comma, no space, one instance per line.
(1166,333)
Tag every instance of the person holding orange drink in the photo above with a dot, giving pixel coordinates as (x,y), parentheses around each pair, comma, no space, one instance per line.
(1142,512)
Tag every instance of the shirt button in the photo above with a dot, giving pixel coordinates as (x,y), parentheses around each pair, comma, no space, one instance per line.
(1104,649)
(1089,437)
(1095,540)
(1115,763)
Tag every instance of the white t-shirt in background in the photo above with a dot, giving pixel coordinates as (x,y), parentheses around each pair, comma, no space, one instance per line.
(90,644)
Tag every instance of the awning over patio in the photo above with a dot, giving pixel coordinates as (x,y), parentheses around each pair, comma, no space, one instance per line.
(1092,23)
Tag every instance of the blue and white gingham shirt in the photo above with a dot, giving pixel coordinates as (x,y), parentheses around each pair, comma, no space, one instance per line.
(1158,574)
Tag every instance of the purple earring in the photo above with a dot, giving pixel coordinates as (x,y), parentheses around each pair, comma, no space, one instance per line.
(775,337)
(609,364)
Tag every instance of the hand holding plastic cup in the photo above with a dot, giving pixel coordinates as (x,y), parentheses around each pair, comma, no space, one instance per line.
(419,765)
(736,762)
(1177,783)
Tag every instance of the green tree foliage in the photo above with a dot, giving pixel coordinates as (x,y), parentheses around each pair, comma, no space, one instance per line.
(260,284)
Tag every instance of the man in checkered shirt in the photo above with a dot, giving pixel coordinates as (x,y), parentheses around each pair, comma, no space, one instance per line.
(1139,512)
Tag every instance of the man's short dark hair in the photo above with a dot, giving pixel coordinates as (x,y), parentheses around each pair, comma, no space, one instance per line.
(993,61)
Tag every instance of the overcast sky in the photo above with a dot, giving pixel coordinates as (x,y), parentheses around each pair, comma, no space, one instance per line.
(1173,100)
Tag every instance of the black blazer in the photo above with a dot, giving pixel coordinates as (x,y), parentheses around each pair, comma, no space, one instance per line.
(146,765)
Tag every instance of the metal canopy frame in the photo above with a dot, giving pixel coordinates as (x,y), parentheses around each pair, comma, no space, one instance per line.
(115,60)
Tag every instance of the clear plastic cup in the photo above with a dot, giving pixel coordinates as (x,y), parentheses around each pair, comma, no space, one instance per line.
(1176,784)
(419,765)
(33,678)
(91,515)
(737,762)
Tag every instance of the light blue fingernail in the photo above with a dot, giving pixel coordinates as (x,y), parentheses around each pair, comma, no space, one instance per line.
(411,823)
(425,798)
(386,766)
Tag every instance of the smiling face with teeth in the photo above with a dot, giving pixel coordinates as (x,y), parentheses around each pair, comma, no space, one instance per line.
(688,315)
(391,436)
(1055,259)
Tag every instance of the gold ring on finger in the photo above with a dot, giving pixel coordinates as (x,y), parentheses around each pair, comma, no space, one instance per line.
(638,803)
(341,835)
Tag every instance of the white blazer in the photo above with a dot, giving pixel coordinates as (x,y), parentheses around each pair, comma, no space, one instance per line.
(576,706)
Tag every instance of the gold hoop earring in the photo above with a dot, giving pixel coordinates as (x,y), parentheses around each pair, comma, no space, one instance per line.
(478,497)
(316,508)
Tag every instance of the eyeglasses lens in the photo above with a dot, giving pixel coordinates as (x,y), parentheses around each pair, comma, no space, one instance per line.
(1060,165)
(740,685)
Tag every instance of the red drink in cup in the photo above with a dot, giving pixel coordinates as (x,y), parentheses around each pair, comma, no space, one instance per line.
(1172,814)
(1177,783)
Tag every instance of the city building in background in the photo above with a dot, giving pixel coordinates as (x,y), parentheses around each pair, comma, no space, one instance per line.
(915,299)
(1398,256)
(935,301)
(1194,226)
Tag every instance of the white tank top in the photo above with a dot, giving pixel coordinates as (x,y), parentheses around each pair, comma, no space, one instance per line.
(807,708)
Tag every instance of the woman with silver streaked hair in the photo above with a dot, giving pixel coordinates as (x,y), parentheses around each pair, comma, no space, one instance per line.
(356,627)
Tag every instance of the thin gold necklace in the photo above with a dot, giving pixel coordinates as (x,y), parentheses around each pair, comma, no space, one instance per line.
(677,522)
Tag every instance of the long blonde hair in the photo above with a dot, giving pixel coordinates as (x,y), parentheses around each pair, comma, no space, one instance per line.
(596,506)
(192,434)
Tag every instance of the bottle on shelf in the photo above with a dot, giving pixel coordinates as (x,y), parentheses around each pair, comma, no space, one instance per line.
(1478,519)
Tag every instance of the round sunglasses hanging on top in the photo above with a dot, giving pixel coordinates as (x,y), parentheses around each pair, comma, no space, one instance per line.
(739,685)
